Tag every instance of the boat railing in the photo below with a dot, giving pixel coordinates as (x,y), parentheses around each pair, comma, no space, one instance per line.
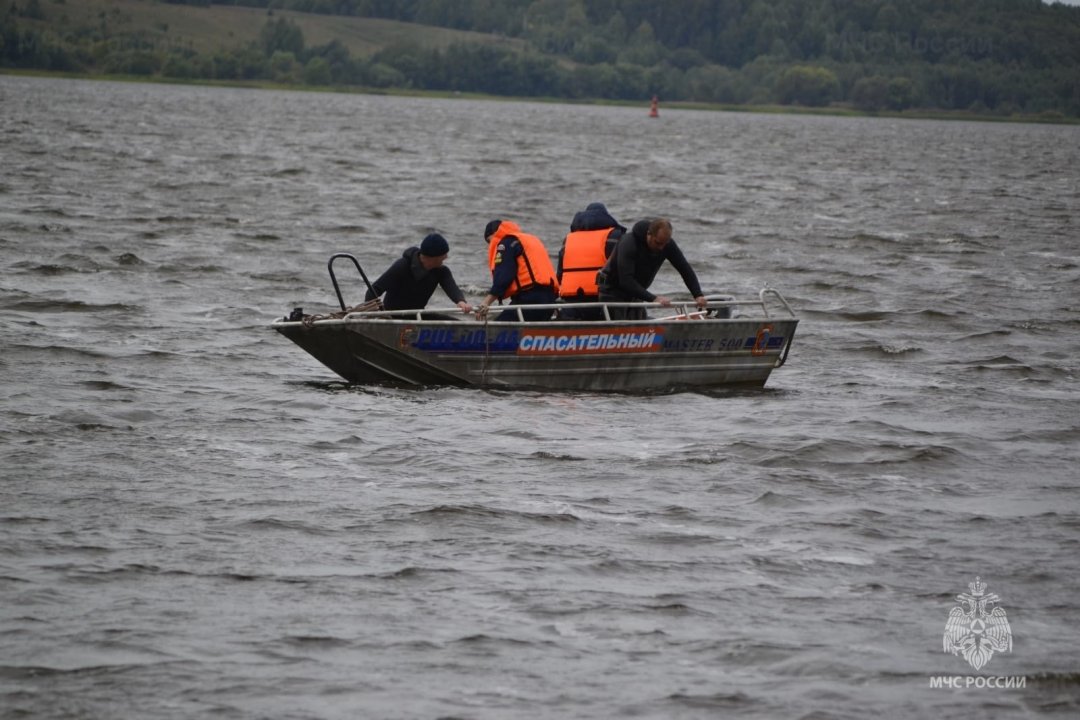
(333,277)
(717,307)
(774,293)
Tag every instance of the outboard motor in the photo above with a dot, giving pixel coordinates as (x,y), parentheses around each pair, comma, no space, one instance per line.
(722,313)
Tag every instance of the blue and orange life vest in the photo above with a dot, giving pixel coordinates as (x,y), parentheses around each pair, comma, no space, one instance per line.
(583,257)
(534,265)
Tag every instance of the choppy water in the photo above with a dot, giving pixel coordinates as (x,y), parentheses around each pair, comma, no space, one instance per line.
(197,519)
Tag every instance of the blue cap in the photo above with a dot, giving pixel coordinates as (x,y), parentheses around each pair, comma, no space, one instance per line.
(491,227)
(434,245)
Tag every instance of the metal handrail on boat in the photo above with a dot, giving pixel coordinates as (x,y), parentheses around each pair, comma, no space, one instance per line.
(684,309)
(687,309)
(333,278)
(775,293)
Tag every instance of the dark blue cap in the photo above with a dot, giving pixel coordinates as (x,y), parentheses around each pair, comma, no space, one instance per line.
(434,245)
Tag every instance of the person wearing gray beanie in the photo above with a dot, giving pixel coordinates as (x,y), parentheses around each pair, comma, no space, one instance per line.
(410,281)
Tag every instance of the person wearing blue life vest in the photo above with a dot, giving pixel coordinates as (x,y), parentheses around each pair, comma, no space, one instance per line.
(410,281)
(633,265)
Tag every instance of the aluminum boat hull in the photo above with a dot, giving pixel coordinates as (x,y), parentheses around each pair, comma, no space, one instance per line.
(620,356)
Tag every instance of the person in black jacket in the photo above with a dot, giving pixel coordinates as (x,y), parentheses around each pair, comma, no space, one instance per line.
(633,266)
(410,282)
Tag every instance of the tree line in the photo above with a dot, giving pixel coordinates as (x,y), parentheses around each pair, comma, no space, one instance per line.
(987,56)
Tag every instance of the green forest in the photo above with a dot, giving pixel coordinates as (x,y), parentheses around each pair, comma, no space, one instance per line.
(987,57)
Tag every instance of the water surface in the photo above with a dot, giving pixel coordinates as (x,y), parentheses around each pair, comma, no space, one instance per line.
(198,519)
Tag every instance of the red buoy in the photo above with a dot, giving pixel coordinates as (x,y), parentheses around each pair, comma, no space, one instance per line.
(654,107)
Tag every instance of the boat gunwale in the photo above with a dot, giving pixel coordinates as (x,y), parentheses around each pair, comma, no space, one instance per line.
(689,312)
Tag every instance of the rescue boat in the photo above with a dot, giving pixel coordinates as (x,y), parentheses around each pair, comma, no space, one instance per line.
(729,343)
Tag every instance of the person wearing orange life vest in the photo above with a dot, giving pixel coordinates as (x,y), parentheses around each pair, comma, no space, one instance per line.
(593,235)
(520,270)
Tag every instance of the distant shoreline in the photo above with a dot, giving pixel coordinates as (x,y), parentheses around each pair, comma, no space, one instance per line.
(1045,118)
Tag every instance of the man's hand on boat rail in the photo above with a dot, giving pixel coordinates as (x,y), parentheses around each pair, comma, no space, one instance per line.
(482,308)
(465,307)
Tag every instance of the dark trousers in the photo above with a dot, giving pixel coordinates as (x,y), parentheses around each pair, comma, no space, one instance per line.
(532,296)
(569,312)
(622,313)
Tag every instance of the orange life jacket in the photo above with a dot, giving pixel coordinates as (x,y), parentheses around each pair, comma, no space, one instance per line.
(534,265)
(583,257)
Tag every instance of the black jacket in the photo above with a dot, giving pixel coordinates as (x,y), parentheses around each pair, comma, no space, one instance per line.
(632,267)
(408,286)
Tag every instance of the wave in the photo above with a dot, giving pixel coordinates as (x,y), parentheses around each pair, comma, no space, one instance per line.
(280,276)
(321,641)
(674,607)
(1052,437)
(65,263)
(960,243)
(37,672)
(884,350)
(877,315)
(986,334)
(192,219)
(77,352)
(344,442)
(273,523)
(712,701)
(823,285)
(198,184)
(1037,326)
(103,575)
(778,500)
(682,539)
(862,453)
(413,571)
(256,236)
(172,268)
(484,639)
(41,305)
(129,260)
(49,211)
(55,350)
(1055,679)
(345,229)
(47,269)
(1000,363)
(95,426)
(19,519)
(546,455)
(874,238)
(477,511)
(103,384)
